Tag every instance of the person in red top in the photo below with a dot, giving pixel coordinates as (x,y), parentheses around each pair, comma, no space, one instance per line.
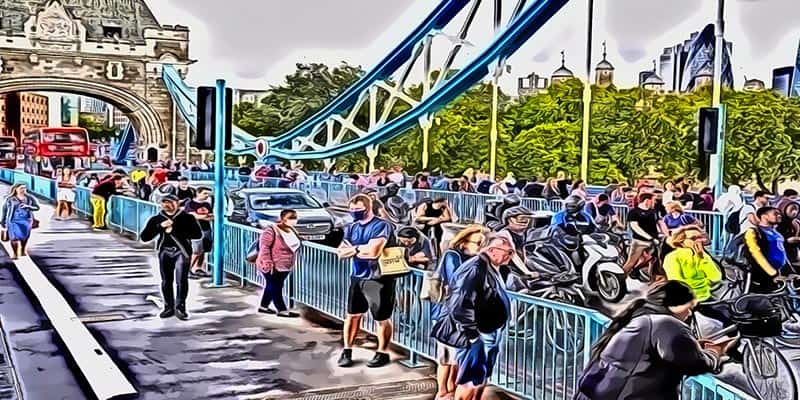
(159,177)
(277,253)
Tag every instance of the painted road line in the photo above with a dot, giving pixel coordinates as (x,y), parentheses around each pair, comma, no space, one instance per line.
(102,374)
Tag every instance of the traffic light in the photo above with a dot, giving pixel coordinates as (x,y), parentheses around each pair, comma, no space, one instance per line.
(708,130)
(207,118)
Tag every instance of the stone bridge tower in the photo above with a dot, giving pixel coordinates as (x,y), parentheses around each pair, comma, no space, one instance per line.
(113,50)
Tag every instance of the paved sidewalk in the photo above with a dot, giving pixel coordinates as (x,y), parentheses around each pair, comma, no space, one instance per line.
(225,351)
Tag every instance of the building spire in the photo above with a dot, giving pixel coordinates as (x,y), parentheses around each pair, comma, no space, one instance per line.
(654,66)
(604,49)
(563,58)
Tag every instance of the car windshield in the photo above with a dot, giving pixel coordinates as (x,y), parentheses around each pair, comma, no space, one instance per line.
(64,137)
(280,201)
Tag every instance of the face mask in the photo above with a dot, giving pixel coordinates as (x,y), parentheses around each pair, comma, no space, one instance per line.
(358,215)
(291,222)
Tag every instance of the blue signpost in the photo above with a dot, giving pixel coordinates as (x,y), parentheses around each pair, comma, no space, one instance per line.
(219,185)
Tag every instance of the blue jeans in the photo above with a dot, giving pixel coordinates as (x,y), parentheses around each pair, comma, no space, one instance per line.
(476,363)
(273,290)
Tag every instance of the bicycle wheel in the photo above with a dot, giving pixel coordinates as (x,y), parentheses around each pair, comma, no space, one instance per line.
(564,332)
(768,373)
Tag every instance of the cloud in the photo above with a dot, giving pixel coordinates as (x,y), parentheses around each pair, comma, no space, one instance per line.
(765,22)
(253,34)
(255,43)
(632,54)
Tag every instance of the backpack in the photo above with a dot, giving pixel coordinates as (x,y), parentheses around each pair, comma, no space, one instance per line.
(732,225)
(484,187)
(736,252)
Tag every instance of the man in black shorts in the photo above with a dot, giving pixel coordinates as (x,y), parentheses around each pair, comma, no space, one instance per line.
(363,242)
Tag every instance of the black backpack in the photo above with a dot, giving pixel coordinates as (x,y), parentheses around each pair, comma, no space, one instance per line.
(736,252)
(732,225)
(484,187)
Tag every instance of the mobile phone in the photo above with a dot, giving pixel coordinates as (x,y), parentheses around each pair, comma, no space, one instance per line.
(724,340)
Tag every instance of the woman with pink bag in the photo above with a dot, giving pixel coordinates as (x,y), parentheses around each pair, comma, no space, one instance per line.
(277,253)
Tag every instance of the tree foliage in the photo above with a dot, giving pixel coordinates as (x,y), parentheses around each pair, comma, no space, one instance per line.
(97,130)
(634,132)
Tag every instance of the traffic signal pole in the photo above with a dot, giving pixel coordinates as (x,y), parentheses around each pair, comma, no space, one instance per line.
(716,168)
(219,185)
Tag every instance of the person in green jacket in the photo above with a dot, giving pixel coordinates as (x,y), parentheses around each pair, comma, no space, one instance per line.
(691,264)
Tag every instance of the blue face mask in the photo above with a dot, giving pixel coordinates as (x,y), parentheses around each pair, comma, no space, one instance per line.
(358,215)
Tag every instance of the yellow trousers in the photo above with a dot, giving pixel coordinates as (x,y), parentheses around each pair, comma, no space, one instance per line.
(98,211)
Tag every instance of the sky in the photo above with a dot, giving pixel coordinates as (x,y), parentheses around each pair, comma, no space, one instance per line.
(253,44)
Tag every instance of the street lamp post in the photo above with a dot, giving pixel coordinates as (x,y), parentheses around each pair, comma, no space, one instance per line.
(587,96)
(498,16)
(717,160)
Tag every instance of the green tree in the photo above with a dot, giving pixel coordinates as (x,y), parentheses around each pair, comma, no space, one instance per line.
(763,136)
(97,130)
(303,93)
(634,132)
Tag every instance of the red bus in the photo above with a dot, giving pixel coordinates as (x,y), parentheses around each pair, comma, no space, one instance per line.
(8,152)
(46,149)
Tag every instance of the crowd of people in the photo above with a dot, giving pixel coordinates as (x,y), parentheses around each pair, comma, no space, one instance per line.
(470,302)
(473,306)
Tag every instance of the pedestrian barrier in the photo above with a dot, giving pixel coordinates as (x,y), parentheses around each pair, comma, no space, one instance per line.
(545,346)
(469,207)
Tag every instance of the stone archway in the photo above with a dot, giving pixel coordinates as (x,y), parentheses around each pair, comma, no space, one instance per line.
(145,119)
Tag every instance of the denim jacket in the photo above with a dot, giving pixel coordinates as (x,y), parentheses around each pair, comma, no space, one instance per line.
(11,205)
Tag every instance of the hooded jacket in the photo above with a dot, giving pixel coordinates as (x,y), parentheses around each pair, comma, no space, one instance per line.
(646,360)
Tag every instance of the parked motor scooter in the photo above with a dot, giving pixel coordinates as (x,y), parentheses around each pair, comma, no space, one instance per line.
(591,256)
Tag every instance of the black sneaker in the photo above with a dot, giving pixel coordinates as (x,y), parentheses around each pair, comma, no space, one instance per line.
(346,359)
(379,360)
(266,310)
(167,313)
(181,314)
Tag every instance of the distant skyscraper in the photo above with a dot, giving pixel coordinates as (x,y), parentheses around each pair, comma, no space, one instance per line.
(794,88)
(670,67)
(90,105)
(674,60)
(115,118)
(782,80)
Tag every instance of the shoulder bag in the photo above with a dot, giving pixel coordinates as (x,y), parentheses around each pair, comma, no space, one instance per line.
(392,262)
(252,251)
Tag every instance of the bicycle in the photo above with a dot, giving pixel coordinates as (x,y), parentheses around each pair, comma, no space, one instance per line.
(759,319)
(737,283)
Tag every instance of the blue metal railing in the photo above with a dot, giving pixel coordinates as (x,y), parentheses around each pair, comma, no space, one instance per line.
(545,347)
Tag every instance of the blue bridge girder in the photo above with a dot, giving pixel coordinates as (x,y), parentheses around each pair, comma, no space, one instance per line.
(317,137)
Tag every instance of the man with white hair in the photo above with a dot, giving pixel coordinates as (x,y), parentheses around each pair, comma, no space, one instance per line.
(479,310)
